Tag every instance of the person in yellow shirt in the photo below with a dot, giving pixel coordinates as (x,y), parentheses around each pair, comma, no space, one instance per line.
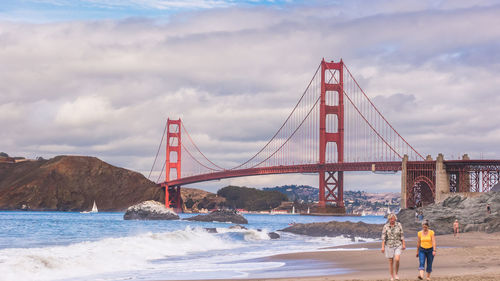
(426,250)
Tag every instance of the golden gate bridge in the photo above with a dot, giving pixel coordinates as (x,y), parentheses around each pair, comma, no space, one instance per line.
(333,128)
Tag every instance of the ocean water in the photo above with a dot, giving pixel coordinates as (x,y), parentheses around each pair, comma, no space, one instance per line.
(103,246)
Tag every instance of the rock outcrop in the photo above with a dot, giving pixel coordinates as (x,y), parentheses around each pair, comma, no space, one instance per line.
(150,210)
(211,229)
(273,235)
(237,226)
(72,183)
(220,216)
(336,228)
(469,211)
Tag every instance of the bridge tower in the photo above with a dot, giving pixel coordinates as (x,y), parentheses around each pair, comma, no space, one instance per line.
(331,183)
(173,193)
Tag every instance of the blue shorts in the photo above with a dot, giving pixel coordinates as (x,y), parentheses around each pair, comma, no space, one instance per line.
(423,255)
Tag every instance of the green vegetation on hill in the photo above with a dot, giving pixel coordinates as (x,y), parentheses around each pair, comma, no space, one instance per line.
(250,198)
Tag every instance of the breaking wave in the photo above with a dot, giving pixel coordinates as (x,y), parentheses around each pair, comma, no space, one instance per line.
(107,255)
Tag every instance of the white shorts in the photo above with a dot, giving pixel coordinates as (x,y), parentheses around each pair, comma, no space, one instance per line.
(390,252)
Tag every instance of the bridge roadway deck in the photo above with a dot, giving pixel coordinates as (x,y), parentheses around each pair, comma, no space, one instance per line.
(290,169)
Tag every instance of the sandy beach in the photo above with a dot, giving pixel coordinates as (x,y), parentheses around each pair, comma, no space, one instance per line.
(472,256)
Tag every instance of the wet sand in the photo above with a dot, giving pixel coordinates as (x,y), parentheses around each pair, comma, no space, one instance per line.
(472,256)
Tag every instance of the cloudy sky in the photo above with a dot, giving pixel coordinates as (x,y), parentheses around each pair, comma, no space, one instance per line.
(100,78)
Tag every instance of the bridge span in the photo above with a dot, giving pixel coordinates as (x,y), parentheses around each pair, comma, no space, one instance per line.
(334,128)
(290,169)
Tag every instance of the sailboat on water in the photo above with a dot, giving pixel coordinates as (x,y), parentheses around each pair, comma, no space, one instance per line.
(94,209)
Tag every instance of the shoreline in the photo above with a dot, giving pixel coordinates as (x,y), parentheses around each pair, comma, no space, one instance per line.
(473,256)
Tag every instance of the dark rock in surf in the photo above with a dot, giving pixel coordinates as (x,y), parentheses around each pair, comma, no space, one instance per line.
(211,229)
(150,210)
(336,228)
(237,226)
(220,216)
(273,235)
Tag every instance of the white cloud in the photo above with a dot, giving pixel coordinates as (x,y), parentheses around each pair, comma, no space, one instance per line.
(56,149)
(105,88)
(10,112)
(84,111)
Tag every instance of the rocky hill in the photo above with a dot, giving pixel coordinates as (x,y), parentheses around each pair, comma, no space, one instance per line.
(251,199)
(72,183)
(196,200)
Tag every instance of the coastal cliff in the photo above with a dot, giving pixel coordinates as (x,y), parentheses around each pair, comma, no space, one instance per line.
(471,213)
(72,183)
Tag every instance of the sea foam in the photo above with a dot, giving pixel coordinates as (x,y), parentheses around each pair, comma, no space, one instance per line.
(107,255)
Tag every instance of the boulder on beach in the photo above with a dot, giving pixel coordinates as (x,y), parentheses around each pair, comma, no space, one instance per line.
(150,210)
(220,216)
(336,228)
(469,211)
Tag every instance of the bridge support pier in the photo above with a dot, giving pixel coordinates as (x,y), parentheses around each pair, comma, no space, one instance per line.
(442,179)
(331,188)
(173,197)
(175,201)
(404,172)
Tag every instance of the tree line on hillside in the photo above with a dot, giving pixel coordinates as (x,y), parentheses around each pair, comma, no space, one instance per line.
(251,199)
(297,193)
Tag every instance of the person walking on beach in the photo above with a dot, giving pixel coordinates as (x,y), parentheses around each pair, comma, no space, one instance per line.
(426,250)
(393,243)
(488,209)
(456,229)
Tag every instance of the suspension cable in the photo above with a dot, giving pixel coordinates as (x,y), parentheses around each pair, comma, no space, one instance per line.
(162,168)
(296,129)
(354,79)
(158,151)
(164,163)
(194,158)
(380,114)
(296,106)
(300,125)
(220,168)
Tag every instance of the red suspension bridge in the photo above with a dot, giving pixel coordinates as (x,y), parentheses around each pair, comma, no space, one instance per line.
(333,128)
